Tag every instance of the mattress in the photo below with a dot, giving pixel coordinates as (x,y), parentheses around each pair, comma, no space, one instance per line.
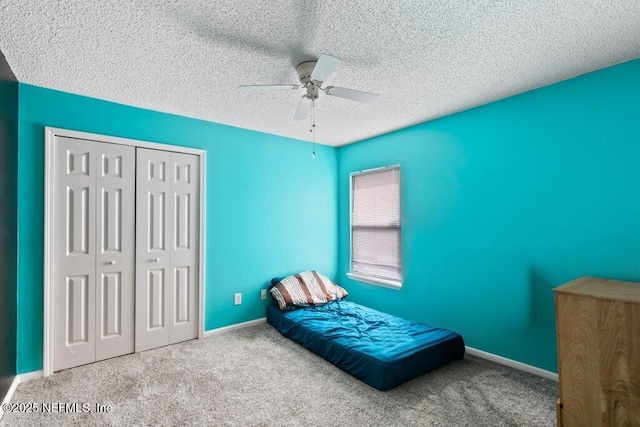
(380,349)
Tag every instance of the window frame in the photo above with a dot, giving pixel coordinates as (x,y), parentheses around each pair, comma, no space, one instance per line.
(373,280)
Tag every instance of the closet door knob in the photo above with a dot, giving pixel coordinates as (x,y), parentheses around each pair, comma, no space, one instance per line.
(112,263)
(155,260)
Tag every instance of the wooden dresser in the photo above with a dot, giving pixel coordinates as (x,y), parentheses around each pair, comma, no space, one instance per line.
(598,329)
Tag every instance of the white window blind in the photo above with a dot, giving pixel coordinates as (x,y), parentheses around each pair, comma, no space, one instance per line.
(375,224)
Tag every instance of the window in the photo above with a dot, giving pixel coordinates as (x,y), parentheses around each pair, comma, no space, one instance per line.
(375,227)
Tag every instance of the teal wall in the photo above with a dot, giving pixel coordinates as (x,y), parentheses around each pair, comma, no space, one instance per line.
(8,223)
(271,208)
(503,202)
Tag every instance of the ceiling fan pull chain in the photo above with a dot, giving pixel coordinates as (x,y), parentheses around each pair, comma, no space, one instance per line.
(313,126)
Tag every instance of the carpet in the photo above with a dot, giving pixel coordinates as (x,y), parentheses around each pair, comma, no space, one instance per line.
(256,377)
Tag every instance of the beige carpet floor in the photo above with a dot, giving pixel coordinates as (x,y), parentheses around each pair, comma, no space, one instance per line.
(256,377)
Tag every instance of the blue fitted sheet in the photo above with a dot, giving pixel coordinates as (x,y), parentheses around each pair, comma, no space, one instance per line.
(380,349)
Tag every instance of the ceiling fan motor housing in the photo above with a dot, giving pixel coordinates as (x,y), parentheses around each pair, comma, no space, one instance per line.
(304,73)
(304,70)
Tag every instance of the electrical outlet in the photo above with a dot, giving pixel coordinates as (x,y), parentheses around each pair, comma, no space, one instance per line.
(263,294)
(237,299)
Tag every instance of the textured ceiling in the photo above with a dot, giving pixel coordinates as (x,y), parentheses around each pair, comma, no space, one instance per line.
(426,58)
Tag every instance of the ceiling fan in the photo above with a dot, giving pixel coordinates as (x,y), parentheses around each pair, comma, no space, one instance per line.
(312,75)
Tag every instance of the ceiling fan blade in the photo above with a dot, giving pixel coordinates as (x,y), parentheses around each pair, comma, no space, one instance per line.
(325,66)
(354,95)
(303,108)
(259,88)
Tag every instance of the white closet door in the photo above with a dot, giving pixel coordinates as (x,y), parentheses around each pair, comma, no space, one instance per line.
(153,263)
(74,257)
(185,180)
(94,254)
(115,262)
(167,242)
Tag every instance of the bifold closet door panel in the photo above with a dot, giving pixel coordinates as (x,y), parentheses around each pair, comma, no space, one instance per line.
(167,247)
(115,254)
(185,183)
(94,219)
(74,252)
(153,264)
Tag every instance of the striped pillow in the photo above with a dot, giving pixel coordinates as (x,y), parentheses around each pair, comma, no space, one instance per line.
(306,289)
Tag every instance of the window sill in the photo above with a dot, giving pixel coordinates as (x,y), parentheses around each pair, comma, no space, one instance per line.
(392,284)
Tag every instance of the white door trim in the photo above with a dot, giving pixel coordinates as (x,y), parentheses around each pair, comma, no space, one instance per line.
(49,266)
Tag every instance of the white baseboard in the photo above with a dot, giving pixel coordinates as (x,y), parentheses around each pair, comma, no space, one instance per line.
(234,327)
(33,375)
(512,363)
(14,385)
